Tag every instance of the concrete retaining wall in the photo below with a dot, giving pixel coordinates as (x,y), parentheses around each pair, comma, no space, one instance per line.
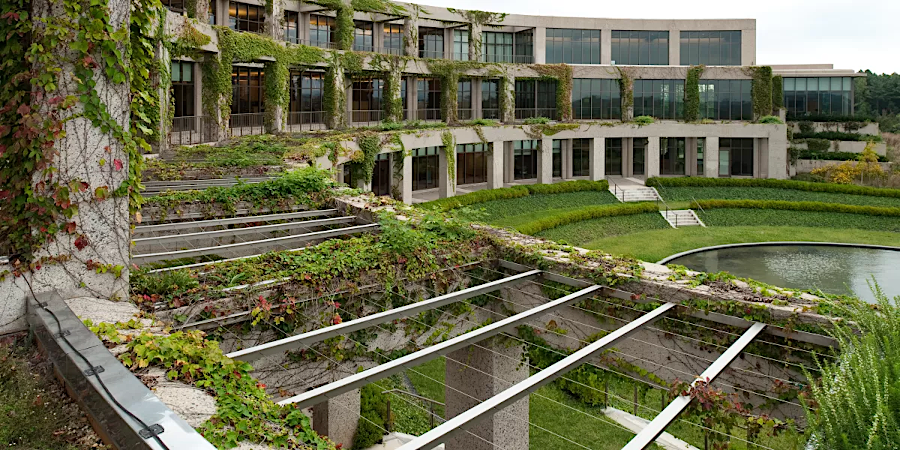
(807,165)
(849,147)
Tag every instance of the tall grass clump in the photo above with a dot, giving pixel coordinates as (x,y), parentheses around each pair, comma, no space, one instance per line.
(856,403)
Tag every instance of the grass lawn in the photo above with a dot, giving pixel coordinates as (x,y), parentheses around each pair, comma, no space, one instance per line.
(516,211)
(579,233)
(683,194)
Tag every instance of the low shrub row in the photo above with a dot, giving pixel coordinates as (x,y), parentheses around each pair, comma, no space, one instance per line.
(487,195)
(830,118)
(772,183)
(588,213)
(835,156)
(799,206)
(837,136)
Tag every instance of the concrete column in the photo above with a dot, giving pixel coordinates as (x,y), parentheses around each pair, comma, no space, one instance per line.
(274,117)
(567,159)
(475,42)
(448,43)
(222,12)
(92,158)
(652,168)
(674,47)
(482,371)
(711,157)
(545,162)
(412,102)
(303,26)
(606,46)
(337,120)
(761,158)
(395,78)
(338,418)
(540,45)
(411,37)
(477,112)
(273,21)
(508,98)
(509,163)
(690,156)
(446,184)
(406,184)
(495,173)
(598,159)
(627,157)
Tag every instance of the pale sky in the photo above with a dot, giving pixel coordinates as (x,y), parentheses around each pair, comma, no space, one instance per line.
(854,35)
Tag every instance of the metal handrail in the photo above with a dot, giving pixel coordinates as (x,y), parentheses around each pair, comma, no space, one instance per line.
(616,190)
(431,404)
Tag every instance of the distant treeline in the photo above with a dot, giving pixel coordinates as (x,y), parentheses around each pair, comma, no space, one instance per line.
(879,96)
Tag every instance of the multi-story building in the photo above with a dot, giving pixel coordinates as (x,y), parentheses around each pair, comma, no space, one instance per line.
(644,97)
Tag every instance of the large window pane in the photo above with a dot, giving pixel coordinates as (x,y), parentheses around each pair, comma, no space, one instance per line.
(714,48)
(640,47)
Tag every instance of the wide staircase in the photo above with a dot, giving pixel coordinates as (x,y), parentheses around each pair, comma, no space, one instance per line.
(678,218)
(634,193)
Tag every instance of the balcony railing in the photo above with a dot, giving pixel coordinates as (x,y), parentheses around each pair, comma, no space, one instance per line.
(246,124)
(528,113)
(432,55)
(490,113)
(429,114)
(189,130)
(518,59)
(366,117)
(460,56)
(320,44)
(305,120)
(464,114)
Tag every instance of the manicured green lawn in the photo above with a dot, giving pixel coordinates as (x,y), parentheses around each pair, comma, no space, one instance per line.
(589,230)
(726,217)
(516,211)
(679,194)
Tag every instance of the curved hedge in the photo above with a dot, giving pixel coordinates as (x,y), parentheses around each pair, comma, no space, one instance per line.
(487,195)
(588,213)
(798,206)
(771,183)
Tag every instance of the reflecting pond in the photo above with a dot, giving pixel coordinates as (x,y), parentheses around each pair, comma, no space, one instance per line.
(833,269)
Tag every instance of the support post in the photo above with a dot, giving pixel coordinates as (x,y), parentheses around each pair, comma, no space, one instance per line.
(446,183)
(474,42)
(336,101)
(411,37)
(495,165)
(338,418)
(406,191)
(598,159)
(711,157)
(545,162)
(508,98)
(482,371)
(652,168)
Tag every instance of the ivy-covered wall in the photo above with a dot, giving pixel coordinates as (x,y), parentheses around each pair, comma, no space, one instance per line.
(692,94)
(761,90)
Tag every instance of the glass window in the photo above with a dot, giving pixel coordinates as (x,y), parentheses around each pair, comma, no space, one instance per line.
(471,163)
(639,155)
(425,168)
(244,17)
(490,98)
(431,42)
(464,99)
(247,90)
(366,101)
(524,51)
(535,98)
(393,39)
(183,88)
(525,159)
(596,99)
(362,36)
(671,156)
(428,98)
(212,12)
(613,156)
(573,46)
(174,5)
(662,99)
(581,157)
(811,96)
(461,45)
(712,48)
(726,99)
(740,156)
(291,26)
(497,47)
(639,47)
(321,31)
(557,158)
(307,103)
(701,150)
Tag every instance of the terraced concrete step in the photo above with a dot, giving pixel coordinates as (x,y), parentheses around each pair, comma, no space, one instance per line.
(634,193)
(682,218)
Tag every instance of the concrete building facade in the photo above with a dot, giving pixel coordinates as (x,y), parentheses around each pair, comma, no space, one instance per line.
(404,62)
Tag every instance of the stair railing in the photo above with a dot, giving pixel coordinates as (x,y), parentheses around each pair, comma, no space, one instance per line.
(616,190)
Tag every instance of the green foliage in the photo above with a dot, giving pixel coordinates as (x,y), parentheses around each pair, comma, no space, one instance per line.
(482,123)
(769,219)
(586,231)
(837,136)
(829,118)
(644,120)
(761,90)
(562,73)
(771,119)
(815,144)
(777,92)
(855,404)
(487,195)
(245,412)
(772,183)
(834,156)
(371,146)
(536,121)
(373,417)
(626,91)
(686,194)
(692,93)
(799,206)
(449,149)
(250,151)
(588,213)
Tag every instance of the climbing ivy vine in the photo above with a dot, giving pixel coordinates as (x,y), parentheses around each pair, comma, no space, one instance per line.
(692,94)
(761,90)
(449,149)
(562,74)
(777,92)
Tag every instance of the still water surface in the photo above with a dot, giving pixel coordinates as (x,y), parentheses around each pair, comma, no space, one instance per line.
(836,270)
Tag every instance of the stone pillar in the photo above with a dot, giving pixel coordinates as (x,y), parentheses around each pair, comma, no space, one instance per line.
(627,157)
(334,79)
(507,98)
(406,184)
(482,371)
(274,116)
(411,37)
(567,159)
(475,42)
(598,159)
(94,160)
(273,20)
(446,183)
(495,165)
(477,113)
(545,162)
(711,157)
(509,163)
(652,168)
(338,418)
(540,45)
(222,12)
(412,103)
(690,156)
(674,47)
(606,46)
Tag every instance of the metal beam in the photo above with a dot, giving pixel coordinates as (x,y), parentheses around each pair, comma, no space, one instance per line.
(496,403)
(232,249)
(174,239)
(145,229)
(363,378)
(668,415)
(276,347)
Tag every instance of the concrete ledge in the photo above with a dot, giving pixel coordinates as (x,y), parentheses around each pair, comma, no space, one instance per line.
(77,350)
(757,244)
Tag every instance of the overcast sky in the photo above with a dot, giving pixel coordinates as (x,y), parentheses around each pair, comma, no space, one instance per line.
(854,35)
